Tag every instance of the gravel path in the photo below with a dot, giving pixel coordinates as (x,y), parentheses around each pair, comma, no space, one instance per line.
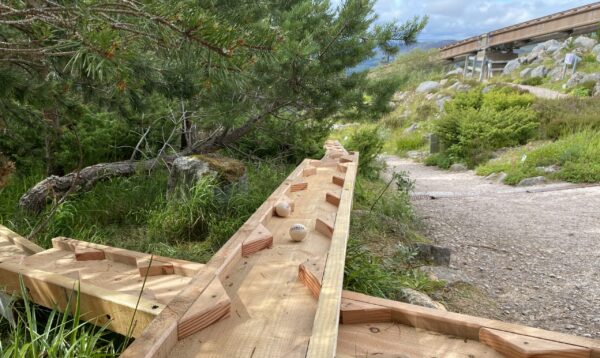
(536,254)
(540,92)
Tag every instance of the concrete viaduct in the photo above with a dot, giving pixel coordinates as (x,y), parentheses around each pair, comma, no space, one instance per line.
(496,47)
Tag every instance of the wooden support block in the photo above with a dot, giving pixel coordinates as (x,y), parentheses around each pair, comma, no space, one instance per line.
(310,171)
(260,238)
(154,268)
(213,305)
(342,168)
(520,346)
(324,228)
(311,279)
(332,199)
(298,187)
(356,312)
(337,180)
(88,254)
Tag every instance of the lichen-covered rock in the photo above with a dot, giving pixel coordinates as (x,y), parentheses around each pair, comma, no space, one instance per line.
(428,87)
(556,73)
(581,78)
(584,42)
(454,72)
(458,167)
(511,66)
(540,71)
(596,50)
(525,73)
(460,87)
(414,297)
(188,170)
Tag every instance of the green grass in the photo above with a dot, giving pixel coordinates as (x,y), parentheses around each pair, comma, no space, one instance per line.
(133,213)
(39,332)
(577,155)
(380,259)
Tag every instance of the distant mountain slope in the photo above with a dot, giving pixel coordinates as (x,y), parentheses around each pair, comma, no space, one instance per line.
(379,57)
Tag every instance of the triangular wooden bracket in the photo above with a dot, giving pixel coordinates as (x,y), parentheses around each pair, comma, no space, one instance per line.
(311,278)
(520,346)
(324,228)
(350,158)
(154,268)
(337,180)
(260,238)
(213,305)
(310,171)
(342,168)
(88,254)
(298,186)
(332,199)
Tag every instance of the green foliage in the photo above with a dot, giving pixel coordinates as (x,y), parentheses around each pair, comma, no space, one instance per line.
(38,332)
(532,81)
(369,143)
(410,141)
(380,259)
(566,116)
(476,124)
(576,155)
(441,160)
(581,91)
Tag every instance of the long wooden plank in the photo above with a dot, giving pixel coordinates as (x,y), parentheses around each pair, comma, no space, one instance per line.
(323,340)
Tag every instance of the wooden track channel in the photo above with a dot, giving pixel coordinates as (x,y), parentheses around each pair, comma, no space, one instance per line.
(262,294)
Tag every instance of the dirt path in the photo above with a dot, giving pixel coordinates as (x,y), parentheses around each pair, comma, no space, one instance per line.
(537,254)
(540,92)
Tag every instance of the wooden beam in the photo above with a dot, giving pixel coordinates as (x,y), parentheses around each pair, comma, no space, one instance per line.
(298,186)
(323,340)
(519,346)
(460,325)
(97,305)
(353,312)
(180,267)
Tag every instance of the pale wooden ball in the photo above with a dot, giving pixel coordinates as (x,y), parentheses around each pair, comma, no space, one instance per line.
(283,209)
(298,232)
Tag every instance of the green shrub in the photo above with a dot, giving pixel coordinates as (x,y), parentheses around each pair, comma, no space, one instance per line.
(410,141)
(581,91)
(532,81)
(441,160)
(475,124)
(566,116)
(369,143)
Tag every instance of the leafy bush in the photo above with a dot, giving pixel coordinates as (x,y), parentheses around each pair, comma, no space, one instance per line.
(369,143)
(566,116)
(475,124)
(581,91)
(576,155)
(532,81)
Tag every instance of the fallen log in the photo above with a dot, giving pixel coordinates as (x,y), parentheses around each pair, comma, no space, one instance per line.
(55,187)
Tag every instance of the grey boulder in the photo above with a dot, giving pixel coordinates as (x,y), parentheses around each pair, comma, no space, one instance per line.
(532,181)
(540,71)
(414,297)
(584,42)
(511,66)
(428,87)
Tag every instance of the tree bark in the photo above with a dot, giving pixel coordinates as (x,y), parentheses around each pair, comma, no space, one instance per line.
(55,187)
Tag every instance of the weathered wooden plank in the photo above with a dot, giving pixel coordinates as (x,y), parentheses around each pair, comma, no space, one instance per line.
(323,340)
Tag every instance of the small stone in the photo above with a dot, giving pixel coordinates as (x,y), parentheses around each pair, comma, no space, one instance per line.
(497,177)
(570,327)
(458,167)
(456,71)
(511,66)
(435,254)
(413,127)
(532,181)
(418,298)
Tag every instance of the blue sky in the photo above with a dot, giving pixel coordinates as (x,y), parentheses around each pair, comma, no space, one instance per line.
(458,19)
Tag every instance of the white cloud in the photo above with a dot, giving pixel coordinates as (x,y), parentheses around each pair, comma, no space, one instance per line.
(457,19)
